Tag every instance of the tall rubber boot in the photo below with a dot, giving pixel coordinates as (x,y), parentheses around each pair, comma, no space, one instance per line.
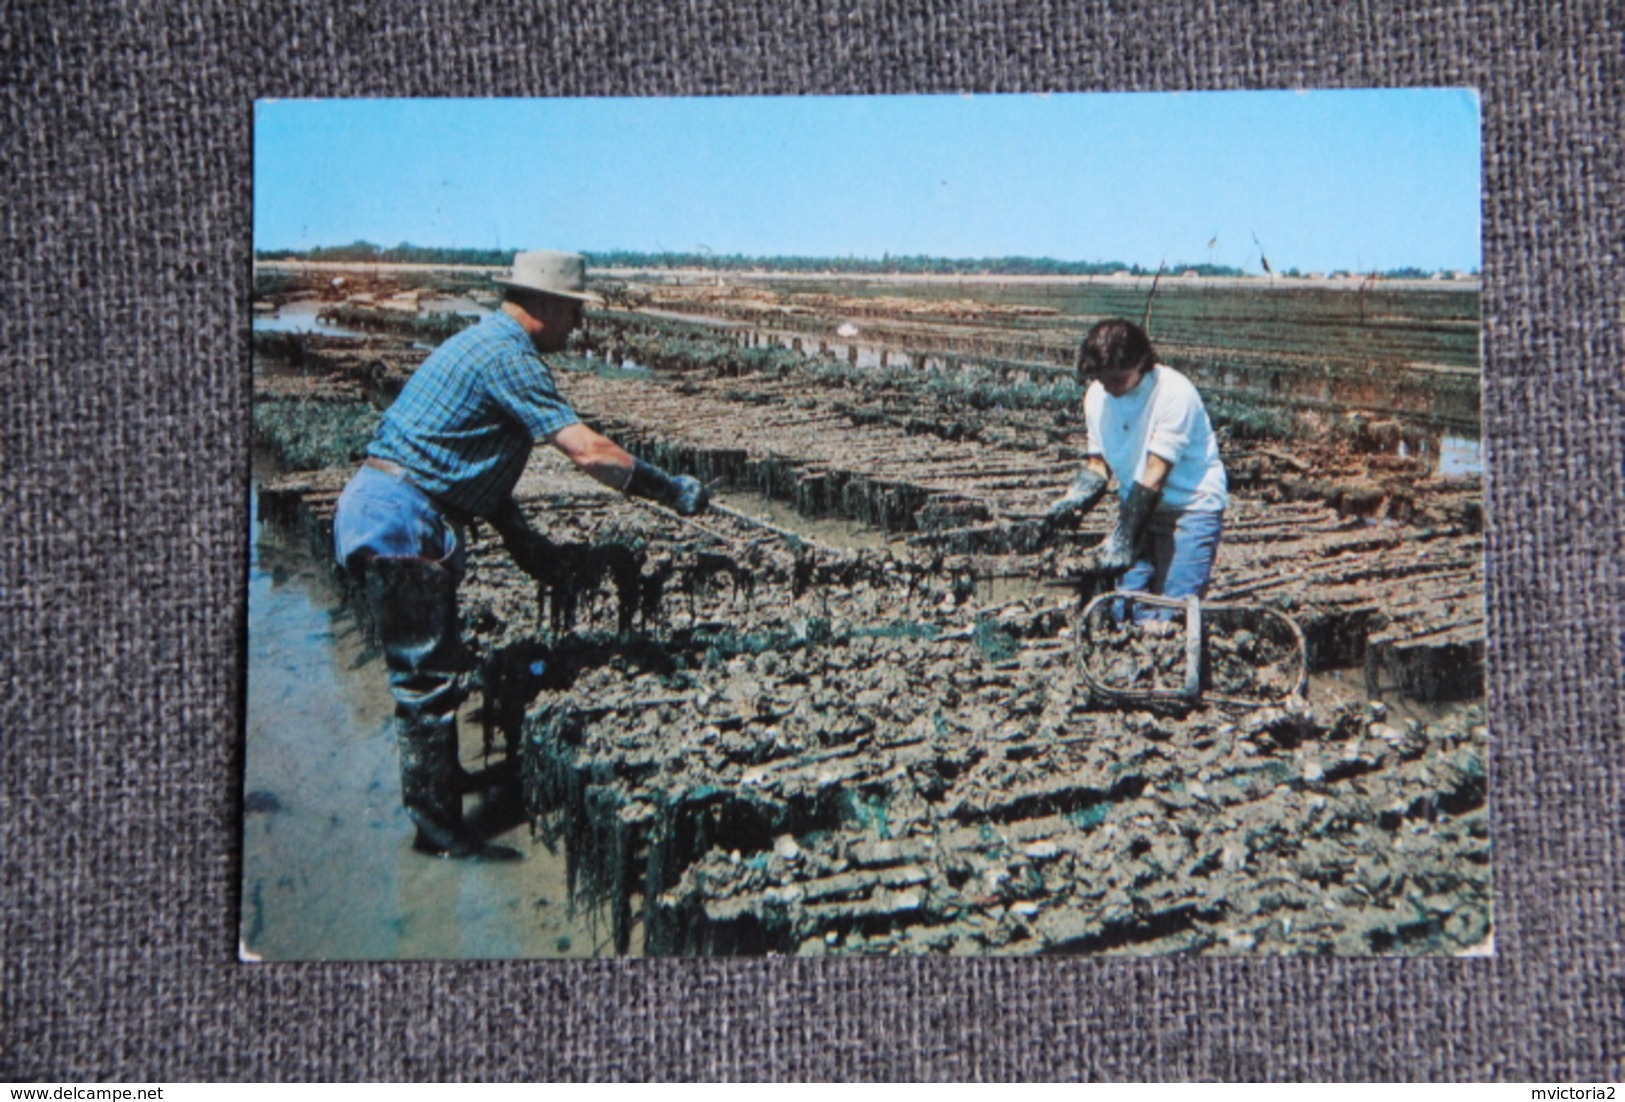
(414,605)
(431,791)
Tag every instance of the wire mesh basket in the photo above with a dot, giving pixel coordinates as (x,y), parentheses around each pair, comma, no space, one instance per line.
(1139,648)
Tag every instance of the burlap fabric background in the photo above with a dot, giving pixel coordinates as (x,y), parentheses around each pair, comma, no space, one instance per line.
(126,134)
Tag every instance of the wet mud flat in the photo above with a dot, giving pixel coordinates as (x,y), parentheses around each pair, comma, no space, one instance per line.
(943,783)
(742,746)
(1389,349)
(328,872)
(1381,567)
(744,740)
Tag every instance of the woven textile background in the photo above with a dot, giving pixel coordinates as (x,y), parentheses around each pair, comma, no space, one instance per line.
(126,148)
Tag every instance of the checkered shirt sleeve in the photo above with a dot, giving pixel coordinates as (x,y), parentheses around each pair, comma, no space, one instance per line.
(521,384)
(465,422)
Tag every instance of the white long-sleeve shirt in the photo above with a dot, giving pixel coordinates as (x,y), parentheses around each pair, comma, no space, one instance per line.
(1163,415)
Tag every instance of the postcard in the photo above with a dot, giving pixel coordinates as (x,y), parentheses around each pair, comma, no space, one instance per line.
(975,525)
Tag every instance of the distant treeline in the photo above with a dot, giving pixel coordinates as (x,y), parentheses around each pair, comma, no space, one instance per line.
(887,264)
(364,252)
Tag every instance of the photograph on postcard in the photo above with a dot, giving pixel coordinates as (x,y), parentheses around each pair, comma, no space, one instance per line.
(828,526)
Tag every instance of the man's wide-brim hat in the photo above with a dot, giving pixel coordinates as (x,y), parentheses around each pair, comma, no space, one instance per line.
(550,273)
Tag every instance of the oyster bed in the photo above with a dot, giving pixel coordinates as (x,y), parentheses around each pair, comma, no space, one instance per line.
(748,740)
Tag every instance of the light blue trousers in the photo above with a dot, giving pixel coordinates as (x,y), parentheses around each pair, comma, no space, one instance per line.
(388,535)
(1176,553)
(381,515)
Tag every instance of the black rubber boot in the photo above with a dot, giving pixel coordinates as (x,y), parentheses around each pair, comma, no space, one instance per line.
(431,791)
(1117,553)
(414,605)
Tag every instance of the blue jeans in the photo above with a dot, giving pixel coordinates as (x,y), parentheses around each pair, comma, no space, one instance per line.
(384,515)
(389,536)
(1175,556)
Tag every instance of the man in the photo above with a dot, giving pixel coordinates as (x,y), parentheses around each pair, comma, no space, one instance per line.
(1148,428)
(450,448)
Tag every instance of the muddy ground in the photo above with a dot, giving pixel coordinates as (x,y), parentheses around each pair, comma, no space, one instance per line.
(745,738)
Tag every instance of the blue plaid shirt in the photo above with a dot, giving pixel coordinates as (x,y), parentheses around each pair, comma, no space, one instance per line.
(465,422)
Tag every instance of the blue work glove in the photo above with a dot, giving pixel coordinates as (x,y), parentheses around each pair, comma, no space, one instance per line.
(683,493)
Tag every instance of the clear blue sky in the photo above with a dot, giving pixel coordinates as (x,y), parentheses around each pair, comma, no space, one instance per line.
(1361,179)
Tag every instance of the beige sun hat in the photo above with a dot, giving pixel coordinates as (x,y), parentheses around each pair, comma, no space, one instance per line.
(551,273)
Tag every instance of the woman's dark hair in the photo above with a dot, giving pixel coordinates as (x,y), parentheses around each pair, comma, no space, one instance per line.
(1115,344)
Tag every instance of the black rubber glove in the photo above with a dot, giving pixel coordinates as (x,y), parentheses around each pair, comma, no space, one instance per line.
(1118,552)
(1085,494)
(531,551)
(683,493)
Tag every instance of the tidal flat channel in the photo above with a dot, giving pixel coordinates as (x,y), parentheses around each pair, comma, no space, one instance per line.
(328,872)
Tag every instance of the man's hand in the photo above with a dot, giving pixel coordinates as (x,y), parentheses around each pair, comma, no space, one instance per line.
(692,496)
(683,493)
(1084,495)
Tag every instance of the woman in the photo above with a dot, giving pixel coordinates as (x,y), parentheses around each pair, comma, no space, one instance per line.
(1148,428)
